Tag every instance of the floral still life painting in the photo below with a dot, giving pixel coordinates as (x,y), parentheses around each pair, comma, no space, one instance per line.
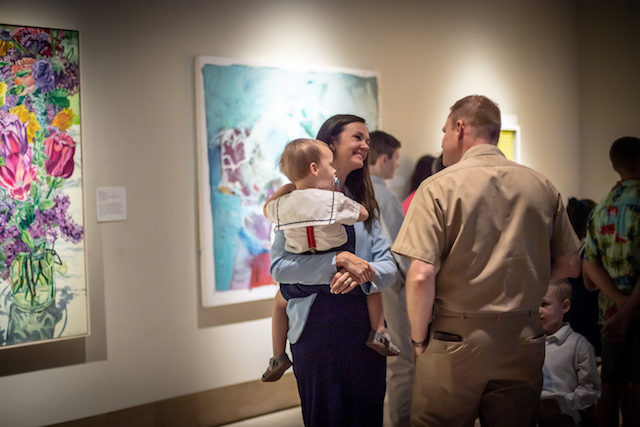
(247,112)
(43,292)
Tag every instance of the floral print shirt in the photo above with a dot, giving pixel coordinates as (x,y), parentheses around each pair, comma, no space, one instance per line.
(612,238)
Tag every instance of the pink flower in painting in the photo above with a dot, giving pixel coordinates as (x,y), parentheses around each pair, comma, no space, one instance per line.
(59,149)
(13,135)
(17,173)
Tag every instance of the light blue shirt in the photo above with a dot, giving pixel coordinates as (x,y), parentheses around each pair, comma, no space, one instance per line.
(317,269)
(391,217)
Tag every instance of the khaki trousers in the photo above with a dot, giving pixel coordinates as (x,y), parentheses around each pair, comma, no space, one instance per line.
(494,373)
(400,368)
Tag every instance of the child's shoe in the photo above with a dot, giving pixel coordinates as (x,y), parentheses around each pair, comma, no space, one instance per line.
(277,366)
(381,342)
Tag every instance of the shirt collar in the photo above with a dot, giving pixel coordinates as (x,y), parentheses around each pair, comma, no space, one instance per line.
(482,150)
(378,180)
(560,336)
(628,183)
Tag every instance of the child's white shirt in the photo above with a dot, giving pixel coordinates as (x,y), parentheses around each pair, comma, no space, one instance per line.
(570,372)
(325,210)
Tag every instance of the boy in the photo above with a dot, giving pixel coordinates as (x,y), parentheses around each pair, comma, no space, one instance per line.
(384,152)
(571,382)
(312,217)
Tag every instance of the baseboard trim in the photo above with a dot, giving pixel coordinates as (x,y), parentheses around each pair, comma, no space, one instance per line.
(206,409)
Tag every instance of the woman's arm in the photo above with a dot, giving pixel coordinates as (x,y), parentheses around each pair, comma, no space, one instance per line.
(304,269)
(381,260)
(373,260)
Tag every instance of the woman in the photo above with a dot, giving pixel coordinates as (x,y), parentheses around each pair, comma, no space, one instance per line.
(426,166)
(341,381)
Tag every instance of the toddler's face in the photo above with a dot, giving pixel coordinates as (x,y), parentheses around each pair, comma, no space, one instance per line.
(551,312)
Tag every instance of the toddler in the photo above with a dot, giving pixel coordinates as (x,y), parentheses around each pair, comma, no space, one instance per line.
(571,381)
(312,215)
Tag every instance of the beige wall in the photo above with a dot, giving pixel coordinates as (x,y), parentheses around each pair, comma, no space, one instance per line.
(150,340)
(609,88)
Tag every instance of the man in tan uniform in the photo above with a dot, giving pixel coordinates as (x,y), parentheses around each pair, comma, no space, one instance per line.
(485,237)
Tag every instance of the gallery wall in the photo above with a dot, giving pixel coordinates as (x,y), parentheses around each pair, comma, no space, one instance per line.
(150,339)
(609,48)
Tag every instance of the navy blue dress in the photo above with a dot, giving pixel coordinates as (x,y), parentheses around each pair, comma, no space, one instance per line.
(341,381)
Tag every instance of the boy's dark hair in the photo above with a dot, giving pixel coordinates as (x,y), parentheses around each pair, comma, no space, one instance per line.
(382,143)
(625,154)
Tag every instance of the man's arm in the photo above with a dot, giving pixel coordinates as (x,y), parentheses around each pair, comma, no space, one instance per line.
(421,291)
(567,265)
(594,272)
(587,282)
(617,325)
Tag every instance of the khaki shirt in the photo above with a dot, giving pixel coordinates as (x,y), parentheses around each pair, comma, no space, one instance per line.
(490,227)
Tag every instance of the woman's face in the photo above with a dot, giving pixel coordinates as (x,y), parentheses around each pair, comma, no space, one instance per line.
(351,148)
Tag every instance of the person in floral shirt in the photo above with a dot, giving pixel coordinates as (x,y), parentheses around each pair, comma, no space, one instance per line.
(612,264)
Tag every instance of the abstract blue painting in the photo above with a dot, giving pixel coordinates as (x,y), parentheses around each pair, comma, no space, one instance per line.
(247,112)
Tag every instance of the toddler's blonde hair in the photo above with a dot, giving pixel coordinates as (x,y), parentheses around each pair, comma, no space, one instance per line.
(298,155)
(561,289)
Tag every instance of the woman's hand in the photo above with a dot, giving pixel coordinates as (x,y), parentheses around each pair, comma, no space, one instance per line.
(342,282)
(359,269)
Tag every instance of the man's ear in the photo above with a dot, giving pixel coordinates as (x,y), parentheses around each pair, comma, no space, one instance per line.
(566,306)
(382,159)
(460,128)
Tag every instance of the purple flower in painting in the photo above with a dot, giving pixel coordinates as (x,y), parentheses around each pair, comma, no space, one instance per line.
(14,247)
(42,74)
(33,39)
(13,135)
(58,216)
(69,79)
(10,101)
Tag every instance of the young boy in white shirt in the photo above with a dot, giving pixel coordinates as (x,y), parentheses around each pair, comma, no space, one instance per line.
(571,380)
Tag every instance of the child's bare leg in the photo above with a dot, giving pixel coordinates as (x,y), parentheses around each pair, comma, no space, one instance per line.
(376,312)
(280,361)
(279,324)
(379,339)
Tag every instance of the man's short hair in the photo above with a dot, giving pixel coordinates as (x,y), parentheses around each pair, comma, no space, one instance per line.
(481,113)
(561,289)
(298,155)
(382,143)
(625,154)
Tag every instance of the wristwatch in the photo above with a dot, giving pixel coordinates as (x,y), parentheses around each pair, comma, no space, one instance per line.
(420,344)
